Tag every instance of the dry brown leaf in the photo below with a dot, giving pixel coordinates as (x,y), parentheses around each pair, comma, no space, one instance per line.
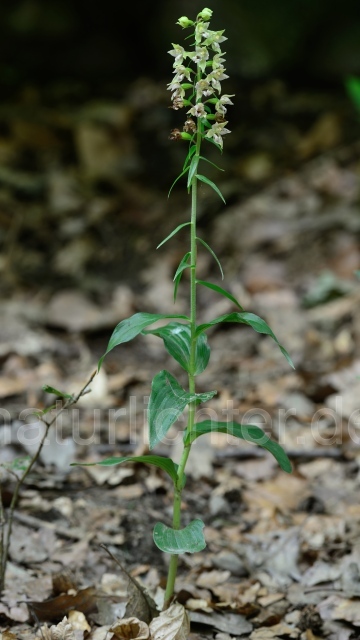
(84,600)
(7,635)
(348,610)
(272,633)
(197,604)
(130,629)
(210,579)
(172,624)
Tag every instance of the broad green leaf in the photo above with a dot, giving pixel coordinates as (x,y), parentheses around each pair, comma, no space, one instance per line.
(185,224)
(212,185)
(179,271)
(166,464)
(213,255)
(192,170)
(56,392)
(131,327)
(258,324)
(177,341)
(189,155)
(247,432)
(213,163)
(167,402)
(220,290)
(176,541)
(176,179)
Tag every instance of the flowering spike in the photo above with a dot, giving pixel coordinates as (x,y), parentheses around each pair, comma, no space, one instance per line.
(202,78)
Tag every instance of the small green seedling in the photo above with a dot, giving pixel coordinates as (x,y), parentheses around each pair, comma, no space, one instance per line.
(196,87)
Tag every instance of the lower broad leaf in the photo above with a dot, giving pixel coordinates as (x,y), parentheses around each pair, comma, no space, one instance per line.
(176,541)
(177,341)
(131,327)
(247,432)
(167,402)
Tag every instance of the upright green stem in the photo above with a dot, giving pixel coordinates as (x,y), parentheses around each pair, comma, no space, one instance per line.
(191,377)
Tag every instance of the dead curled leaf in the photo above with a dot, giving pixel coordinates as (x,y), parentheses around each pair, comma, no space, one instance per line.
(172,624)
(61,631)
(130,629)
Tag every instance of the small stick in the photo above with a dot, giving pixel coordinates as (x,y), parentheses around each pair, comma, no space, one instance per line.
(6,537)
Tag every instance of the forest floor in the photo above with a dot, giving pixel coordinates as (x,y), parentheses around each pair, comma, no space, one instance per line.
(283,552)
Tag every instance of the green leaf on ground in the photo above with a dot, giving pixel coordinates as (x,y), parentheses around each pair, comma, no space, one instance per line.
(166,464)
(167,402)
(129,328)
(185,224)
(252,320)
(177,341)
(175,541)
(247,432)
(212,185)
(220,290)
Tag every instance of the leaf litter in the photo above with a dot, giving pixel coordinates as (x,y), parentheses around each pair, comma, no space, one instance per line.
(283,557)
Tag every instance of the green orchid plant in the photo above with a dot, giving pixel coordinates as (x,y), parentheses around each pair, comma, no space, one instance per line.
(196,87)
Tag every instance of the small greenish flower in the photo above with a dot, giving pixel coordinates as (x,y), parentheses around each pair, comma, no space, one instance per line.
(215,76)
(203,88)
(200,56)
(184,22)
(214,39)
(205,14)
(182,72)
(216,132)
(177,89)
(217,60)
(200,31)
(220,104)
(198,110)
(178,52)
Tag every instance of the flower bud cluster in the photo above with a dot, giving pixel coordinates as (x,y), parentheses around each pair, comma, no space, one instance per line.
(198,73)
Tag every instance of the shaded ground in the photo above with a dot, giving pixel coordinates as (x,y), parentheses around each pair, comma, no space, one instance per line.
(79,229)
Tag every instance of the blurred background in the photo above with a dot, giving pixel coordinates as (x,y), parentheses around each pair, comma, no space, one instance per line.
(84,122)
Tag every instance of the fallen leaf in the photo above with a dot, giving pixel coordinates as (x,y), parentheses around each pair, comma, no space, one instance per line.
(277,631)
(130,629)
(78,621)
(172,624)
(231,623)
(62,631)
(210,579)
(84,601)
